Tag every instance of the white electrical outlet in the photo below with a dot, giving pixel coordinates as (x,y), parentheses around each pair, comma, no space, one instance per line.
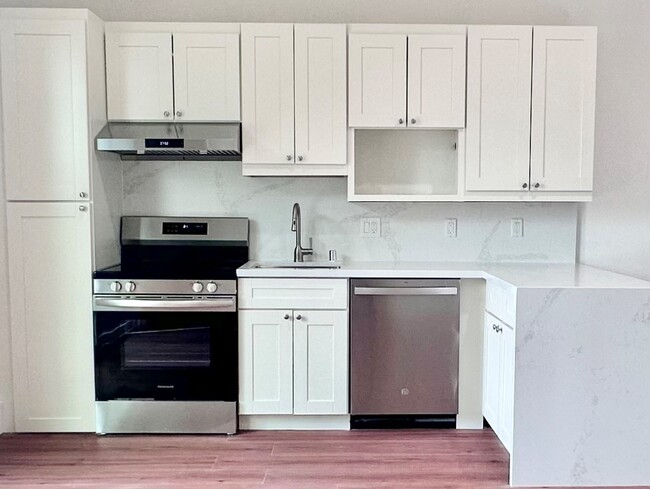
(451,230)
(370,227)
(517,227)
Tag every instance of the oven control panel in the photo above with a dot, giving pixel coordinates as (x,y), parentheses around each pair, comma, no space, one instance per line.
(165,287)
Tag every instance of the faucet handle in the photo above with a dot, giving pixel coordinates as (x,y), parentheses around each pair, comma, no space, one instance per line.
(311,243)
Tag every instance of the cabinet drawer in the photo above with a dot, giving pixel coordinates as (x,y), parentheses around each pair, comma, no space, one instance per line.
(501,301)
(261,293)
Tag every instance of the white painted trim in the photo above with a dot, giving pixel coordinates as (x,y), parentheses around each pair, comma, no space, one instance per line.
(45,13)
(266,170)
(174,27)
(406,29)
(291,422)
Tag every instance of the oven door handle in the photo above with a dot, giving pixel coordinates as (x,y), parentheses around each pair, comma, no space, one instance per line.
(225,304)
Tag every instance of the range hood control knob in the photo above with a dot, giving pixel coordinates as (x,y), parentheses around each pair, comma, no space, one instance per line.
(116,286)
(197,287)
(212,287)
(129,286)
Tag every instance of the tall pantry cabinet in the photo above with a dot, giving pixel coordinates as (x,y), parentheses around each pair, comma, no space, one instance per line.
(53,104)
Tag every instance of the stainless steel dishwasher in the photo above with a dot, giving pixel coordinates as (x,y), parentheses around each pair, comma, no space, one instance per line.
(403,350)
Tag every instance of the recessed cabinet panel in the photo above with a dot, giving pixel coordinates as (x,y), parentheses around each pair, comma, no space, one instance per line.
(507,414)
(436,81)
(498,108)
(267,94)
(206,77)
(320,94)
(265,362)
(139,76)
(563,107)
(44,93)
(377,80)
(51,316)
(491,372)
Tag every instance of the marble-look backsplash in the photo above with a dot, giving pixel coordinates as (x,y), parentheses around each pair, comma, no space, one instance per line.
(409,231)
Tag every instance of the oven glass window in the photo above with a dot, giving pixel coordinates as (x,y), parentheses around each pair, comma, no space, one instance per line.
(164,348)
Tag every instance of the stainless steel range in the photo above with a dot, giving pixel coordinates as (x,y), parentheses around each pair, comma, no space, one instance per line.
(166,327)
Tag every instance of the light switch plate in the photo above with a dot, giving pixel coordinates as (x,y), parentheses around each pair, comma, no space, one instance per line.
(370,227)
(451,228)
(517,227)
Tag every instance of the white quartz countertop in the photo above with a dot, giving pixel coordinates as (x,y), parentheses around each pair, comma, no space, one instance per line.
(521,275)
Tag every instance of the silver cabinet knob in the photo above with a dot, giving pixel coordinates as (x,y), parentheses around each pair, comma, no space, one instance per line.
(129,286)
(298,317)
(179,113)
(211,287)
(300,158)
(116,286)
(525,185)
(83,195)
(412,121)
(537,185)
(83,208)
(197,287)
(286,316)
(401,121)
(166,113)
(289,157)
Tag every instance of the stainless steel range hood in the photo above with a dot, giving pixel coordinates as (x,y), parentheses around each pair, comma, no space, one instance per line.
(172,140)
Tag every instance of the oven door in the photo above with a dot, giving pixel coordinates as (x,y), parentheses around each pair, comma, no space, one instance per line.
(165,348)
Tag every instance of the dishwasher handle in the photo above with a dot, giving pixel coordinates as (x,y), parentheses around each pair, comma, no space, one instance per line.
(406,291)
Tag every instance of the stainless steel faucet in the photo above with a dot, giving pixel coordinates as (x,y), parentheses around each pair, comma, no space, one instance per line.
(299,252)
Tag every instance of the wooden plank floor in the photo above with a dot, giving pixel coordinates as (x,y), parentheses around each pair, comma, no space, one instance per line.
(256,459)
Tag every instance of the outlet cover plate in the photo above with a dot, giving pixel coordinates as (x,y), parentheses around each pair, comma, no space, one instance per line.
(517,227)
(370,227)
(451,228)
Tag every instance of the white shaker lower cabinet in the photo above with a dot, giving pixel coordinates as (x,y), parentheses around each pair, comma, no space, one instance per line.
(293,359)
(50,287)
(498,378)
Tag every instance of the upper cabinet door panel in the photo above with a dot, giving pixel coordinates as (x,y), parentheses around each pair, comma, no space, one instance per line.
(498,108)
(44,94)
(320,93)
(436,81)
(377,80)
(139,76)
(206,77)
(267,93)
(563,107)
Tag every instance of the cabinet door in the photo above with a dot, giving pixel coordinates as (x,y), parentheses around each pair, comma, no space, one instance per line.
(265,362)
(436,80)
(267,93)
(498,108)
(321,93)
(491,372)
(206,77)
(50,273)
(377,80)
(320,362)
(563,108)
(44,94)
(139,76)
(506,414)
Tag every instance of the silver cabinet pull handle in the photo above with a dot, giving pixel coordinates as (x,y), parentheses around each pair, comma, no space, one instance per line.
(289,157)
(525,185)
(82,208)
(298,317)
(412,121)
(405,290)
(83,195)
(179,113)
(300,158)
(401,121)
(166,113)
(537,185)
(286,316)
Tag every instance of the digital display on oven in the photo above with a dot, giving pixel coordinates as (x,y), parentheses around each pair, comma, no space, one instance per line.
(186,228)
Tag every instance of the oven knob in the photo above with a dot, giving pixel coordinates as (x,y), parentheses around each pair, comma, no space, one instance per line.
(129,286)
(212,287)
(197,287)
(116,287)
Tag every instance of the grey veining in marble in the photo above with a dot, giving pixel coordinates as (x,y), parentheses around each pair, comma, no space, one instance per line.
(410,231)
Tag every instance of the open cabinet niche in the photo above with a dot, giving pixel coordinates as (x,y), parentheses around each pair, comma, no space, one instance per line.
(405,165)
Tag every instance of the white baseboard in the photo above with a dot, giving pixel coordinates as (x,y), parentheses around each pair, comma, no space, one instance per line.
(2,418)
(291,422)
(469,422)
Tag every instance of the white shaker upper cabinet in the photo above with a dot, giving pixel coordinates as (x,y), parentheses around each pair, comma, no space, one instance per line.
(563,107)
(44,94)
(267,93)
(206,77)
(436,81)
(498,108)
(50,271)
(377,80)
(139,76)
(320,93)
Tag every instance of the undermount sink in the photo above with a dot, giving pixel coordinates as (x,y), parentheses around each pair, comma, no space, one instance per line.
(307,265)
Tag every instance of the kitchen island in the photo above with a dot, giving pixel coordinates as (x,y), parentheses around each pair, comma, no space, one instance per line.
(577,410)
